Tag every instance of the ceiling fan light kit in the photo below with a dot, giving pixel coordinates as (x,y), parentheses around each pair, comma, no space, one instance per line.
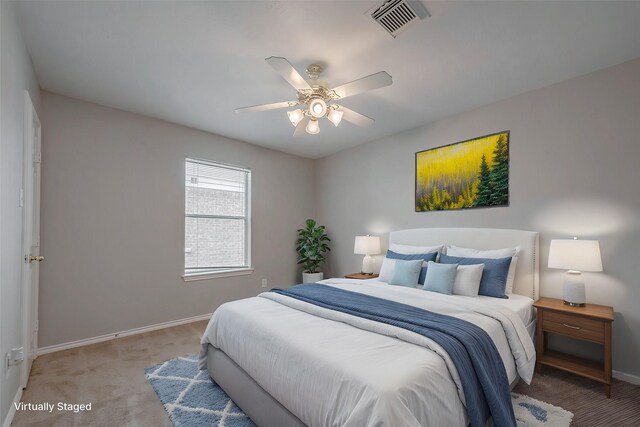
(318,100)
(318,108)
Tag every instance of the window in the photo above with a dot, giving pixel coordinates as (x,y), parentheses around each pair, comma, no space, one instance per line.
(217,220)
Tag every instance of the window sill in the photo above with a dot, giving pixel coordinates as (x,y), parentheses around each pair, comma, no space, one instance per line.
(217,274)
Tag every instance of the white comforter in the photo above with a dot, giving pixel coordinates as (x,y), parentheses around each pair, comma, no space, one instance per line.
(333,369)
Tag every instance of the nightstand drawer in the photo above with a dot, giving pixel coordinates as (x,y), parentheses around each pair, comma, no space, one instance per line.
(574,326)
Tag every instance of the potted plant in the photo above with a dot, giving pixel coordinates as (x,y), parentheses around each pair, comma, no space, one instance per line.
(312,244)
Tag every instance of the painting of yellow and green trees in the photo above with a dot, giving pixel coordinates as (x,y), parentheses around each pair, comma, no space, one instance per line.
(467,174)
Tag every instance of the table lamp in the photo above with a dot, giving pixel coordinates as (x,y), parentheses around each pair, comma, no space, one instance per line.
(575,256)
(367,246)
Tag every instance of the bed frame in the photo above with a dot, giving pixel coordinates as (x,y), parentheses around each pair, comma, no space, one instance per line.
(266,411)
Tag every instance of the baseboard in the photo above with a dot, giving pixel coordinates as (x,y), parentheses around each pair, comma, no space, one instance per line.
(622,376)
(12,409)
(108,337)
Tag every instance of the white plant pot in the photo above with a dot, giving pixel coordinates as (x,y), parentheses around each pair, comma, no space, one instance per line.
(312,277)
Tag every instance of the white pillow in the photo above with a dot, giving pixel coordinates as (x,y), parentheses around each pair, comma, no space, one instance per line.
(389,265)
(467,280)
(492,254)
(410,249)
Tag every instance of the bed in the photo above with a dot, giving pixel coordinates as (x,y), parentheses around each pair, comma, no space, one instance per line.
(288,363)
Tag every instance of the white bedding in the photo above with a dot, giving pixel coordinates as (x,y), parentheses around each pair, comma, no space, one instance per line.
(522,305)
(330,369)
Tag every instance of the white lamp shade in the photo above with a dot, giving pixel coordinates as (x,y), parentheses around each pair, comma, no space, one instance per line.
(295,116)
(573,254)
(335,117)
(313,127)
(367,245)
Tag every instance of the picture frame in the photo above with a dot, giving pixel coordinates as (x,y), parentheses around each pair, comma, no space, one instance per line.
(469,174)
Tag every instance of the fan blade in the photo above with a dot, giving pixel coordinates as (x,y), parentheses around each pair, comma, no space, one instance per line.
(286,70)
(300,129)
(355,118)
(374,81)
(264,107)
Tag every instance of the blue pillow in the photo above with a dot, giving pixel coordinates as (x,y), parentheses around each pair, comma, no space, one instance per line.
(440,278)
(431,256)
(406,273)
(494,275)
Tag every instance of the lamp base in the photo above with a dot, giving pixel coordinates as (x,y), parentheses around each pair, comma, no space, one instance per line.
(368,264)
(573,293)
(574,304)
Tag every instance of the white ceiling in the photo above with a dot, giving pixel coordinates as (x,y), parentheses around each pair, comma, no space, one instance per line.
(192,63)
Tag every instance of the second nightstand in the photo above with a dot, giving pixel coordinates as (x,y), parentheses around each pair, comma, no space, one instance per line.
(360,276)
(589,323)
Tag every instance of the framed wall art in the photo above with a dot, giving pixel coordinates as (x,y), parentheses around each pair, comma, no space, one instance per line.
(464,175)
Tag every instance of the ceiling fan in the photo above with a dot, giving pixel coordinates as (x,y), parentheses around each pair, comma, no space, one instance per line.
(318,99)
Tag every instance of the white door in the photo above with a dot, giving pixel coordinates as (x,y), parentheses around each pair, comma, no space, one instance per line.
(30,199)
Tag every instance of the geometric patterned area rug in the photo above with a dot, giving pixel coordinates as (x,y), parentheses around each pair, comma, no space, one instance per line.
(192,399)
(531,412)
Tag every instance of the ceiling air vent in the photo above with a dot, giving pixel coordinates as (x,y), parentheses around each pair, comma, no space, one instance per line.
(396,16)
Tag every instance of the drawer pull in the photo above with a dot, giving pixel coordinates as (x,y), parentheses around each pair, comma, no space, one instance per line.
(572,327)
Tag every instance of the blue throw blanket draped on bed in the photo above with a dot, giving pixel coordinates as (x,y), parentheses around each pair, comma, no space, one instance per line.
(482,373)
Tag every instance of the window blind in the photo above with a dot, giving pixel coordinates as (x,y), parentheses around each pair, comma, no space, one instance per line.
(216,217)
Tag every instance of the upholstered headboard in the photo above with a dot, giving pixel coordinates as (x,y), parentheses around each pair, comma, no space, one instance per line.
(526,281)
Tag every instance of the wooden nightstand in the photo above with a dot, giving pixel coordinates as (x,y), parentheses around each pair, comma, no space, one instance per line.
(360,276)
(590,323)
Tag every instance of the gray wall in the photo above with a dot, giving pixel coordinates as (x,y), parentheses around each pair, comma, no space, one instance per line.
(574,171)
(16,76)
(113,220)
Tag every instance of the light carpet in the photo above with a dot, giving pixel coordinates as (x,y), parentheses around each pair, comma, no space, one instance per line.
(192,399)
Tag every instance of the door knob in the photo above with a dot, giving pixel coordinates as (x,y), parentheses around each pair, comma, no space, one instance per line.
(32,258)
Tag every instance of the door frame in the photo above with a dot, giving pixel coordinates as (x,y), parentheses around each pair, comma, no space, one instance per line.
(30,287)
